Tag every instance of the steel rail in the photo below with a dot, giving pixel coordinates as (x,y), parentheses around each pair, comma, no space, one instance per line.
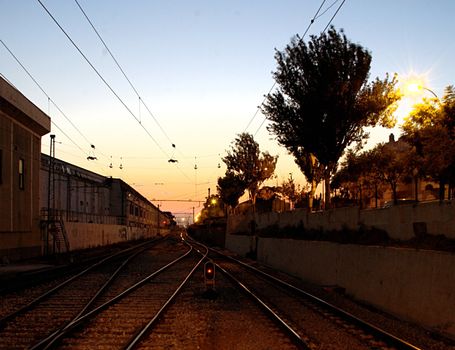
(52,343)
(295,337)
(387,337)
(136,340)
(53,290)
(49,338)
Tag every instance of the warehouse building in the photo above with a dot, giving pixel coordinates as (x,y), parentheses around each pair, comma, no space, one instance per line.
(22,124)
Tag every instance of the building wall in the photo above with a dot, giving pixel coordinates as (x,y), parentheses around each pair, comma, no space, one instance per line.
(394,280)
(96,210)
(77,191)
(21,126)
(88,235)
(438,218)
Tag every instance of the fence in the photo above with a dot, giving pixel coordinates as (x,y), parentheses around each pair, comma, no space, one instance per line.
(74,216)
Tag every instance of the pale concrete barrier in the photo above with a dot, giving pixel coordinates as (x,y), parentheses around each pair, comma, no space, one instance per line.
(88,235)
(415,285)
(400,222)
(240,244)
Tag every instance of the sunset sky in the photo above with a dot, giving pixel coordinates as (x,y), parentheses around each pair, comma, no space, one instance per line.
(202,68)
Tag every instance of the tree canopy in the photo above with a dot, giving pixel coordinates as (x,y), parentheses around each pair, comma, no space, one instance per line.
(230,188)
(430,128)
(324,100)
(246,161)
(364,175)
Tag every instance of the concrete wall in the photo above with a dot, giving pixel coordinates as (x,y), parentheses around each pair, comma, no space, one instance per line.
(413,284)
(398,221)
(21,126)
(89,235)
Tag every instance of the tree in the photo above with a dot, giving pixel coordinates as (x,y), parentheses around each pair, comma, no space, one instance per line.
(230,188)
(311,168)
(324,101)
(392,162)
(290,190)
(213,208)
(356,179)
(430,128)
(247,162)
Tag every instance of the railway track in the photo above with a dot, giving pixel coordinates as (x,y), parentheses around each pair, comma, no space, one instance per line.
(156,298)
(304,313)
(201,318)
(60,306)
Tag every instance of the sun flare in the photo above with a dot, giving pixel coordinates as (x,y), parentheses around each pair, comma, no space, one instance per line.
(413,88)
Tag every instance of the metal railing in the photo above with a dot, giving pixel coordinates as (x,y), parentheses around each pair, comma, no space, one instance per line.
(74,216)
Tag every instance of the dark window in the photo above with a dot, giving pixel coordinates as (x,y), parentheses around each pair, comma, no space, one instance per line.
(21,174)
(1,166)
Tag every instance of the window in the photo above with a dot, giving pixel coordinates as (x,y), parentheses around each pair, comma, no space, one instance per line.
(1,167)
(21,174)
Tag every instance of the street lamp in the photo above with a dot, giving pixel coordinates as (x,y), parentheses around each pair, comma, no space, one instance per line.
(415,87)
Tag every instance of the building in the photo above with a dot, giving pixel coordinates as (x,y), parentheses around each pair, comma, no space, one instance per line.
(82,209)
(50,206)
(415,189)
(22,124)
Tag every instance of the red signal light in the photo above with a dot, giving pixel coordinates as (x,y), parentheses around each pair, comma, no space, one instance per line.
(209,273)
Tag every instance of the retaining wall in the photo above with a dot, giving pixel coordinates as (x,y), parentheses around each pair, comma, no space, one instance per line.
(416,285)
(400,222)
(89,235)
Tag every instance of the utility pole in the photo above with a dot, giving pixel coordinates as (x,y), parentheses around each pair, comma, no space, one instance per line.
(158,219)
(50,192)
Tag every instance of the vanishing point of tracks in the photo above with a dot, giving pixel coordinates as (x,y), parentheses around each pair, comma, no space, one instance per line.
(150,297)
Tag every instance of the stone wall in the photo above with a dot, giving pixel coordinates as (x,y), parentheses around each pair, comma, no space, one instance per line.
(88,235)
(415,285)
(401,222)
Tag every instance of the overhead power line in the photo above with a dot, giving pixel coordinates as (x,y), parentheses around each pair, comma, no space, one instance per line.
(102,78)
(141,100)
(46,94)
(50,100)
(315,17)
(274,84)
(334,15)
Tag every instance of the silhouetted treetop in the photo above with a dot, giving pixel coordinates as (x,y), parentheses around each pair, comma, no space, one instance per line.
(324,100)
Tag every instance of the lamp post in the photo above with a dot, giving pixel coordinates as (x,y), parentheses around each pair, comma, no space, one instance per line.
(416,86)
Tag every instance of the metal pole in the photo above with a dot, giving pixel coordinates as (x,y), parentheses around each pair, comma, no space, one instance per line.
(46,238)
(158,219)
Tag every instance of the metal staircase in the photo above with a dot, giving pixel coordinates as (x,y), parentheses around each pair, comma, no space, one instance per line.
(57,233)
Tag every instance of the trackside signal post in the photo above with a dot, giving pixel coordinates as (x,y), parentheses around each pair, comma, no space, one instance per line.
(209,274)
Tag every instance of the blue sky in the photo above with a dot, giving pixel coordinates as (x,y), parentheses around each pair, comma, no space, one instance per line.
(202,67)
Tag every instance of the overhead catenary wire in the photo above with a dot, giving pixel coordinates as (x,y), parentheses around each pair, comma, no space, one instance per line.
(102,78)
(50,100)
(109,86)
(327,9)
(45,93)
(274,84)
(141,100)
(316,16)
(334,15)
